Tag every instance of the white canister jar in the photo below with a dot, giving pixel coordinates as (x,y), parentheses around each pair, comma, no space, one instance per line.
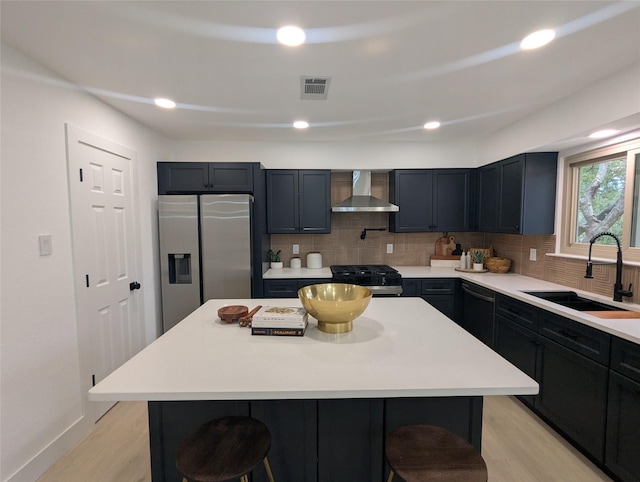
(296,263)
(314,261)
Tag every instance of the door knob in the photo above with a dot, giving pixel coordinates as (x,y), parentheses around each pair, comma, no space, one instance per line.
(134,285)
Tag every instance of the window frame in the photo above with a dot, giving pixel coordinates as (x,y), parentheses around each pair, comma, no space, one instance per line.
(567,226)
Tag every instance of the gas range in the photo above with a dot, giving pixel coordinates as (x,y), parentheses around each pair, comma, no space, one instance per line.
(381,279)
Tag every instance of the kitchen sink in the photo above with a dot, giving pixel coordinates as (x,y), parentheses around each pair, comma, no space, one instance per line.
(570,299)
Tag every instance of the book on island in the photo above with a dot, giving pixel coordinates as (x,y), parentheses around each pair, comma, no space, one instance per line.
(280,317)
(278,331)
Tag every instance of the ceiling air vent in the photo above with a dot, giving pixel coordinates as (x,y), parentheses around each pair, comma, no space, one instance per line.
(314,88)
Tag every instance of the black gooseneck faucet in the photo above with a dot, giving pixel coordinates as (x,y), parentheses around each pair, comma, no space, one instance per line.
(618,292)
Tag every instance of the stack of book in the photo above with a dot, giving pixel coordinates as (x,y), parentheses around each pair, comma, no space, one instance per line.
(279,321)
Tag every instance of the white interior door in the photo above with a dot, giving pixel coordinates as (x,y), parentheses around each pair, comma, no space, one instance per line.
(110,325)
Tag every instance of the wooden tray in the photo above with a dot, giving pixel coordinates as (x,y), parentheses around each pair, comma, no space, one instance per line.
(471,270)
(232,312)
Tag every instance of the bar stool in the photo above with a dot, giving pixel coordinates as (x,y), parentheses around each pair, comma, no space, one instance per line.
(420,453)
(224,449)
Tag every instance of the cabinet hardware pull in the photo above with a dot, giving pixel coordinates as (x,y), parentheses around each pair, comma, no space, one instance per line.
(566,334)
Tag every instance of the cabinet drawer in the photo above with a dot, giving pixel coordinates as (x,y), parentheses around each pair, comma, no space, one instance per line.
(438,287)
(583,339)
(518,311)
(287,288)
(625,358)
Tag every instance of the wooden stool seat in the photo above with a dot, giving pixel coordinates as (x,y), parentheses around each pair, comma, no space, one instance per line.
(420,453)
(224,449)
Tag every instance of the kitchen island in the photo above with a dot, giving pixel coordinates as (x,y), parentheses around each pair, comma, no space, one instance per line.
(329,400)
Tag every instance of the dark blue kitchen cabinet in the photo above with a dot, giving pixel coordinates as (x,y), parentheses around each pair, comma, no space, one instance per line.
(431,200)
(441,293)
(517,195)
(298,201)
(206,177)
(569,360)
(519,345)
(573,395)
(488,181)
(288,288)
(622,452)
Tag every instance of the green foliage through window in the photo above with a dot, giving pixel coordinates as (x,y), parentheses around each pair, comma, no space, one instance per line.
(600,202)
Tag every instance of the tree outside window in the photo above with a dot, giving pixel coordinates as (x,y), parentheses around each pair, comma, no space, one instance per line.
(600,203)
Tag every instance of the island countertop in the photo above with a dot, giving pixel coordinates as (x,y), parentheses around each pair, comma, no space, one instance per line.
(399,347)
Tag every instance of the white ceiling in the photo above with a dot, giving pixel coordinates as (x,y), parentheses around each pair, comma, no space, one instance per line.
(394,64)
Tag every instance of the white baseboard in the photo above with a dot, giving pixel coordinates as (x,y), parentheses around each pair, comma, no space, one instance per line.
(48,456)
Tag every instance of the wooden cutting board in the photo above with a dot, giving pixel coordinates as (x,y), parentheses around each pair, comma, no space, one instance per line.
(613,315)
(445,245)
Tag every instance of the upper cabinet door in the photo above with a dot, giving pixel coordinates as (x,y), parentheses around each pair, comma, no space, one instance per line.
(236,177)
(183,177)
(298,201)
(411,190)
(431,200)
(488,194)
(282,201)
(452,199)
(510,212)
(315,201)
(206,177)
(518,195)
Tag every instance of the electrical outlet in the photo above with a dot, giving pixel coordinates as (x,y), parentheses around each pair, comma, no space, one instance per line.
(532,254)
(389,248)
(296,249)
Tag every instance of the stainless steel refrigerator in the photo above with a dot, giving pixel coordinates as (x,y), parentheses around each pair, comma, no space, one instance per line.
(205,251)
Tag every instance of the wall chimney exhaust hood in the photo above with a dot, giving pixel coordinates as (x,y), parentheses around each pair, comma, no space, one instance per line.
(361,200)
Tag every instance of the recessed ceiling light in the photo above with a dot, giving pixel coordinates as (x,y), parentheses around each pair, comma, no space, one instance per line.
(537,39)
(165,103)
(300,124)
(291,36)
(603,133)
(432,125)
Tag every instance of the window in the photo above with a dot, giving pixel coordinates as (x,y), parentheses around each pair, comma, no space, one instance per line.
(602,194)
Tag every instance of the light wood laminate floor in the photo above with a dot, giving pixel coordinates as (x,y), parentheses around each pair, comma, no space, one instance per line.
(517,447)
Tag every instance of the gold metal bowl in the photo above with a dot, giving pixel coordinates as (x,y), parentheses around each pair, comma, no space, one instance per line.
(335,305)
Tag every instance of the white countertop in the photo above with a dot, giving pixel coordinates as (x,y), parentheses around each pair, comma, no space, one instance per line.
(512,285)
(399,347)
(289,273)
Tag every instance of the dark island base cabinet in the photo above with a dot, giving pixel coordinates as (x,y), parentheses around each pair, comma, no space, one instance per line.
(314,440)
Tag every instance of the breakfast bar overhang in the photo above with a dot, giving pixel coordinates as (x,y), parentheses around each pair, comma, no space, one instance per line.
(328,399)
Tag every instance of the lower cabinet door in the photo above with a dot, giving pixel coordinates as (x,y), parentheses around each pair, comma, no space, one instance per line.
(573,395)
(518,345)
(445,304)
(622,452)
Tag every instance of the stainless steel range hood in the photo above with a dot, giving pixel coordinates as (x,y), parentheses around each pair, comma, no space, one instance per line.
(361,200)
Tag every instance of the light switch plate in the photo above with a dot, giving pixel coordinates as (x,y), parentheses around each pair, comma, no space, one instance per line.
(44,241)
(532,254)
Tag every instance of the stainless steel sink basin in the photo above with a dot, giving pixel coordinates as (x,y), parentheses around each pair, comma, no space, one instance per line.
(570,299)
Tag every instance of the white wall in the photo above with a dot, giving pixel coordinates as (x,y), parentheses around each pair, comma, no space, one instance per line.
(41,405)
(616,97)
(331,155)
